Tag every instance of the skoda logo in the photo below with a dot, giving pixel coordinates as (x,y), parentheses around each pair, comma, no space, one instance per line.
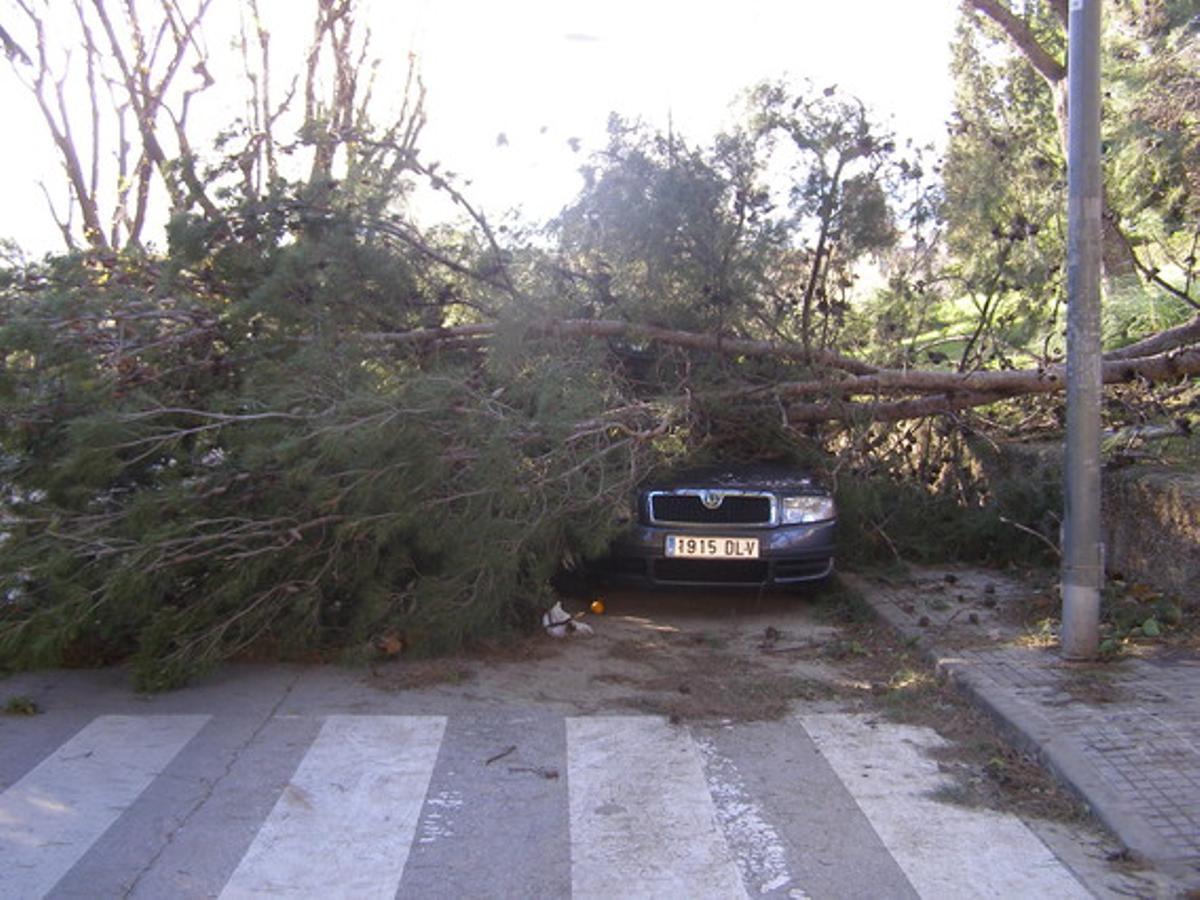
(711,499)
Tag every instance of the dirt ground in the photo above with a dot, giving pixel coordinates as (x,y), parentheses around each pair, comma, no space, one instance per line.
(734,657)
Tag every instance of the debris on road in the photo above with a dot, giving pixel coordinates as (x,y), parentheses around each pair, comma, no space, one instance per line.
(507,751)
(542,771)
(559,623)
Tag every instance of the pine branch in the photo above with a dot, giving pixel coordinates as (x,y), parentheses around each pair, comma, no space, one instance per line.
(610,328)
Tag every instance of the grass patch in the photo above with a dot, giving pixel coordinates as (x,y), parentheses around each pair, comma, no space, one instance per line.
(1132,617)
(841,604)
(20,705)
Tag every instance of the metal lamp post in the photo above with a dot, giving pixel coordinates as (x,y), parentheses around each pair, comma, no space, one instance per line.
(1083,564)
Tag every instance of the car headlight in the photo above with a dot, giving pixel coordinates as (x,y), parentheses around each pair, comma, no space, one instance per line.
(802,510)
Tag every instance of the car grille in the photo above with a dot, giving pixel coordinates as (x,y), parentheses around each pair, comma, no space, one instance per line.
(735,509)
(710,571)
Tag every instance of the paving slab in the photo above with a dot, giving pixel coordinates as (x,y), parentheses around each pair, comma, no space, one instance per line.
(1123,735)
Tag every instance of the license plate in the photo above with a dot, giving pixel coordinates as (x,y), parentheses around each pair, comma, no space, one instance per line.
(679,545)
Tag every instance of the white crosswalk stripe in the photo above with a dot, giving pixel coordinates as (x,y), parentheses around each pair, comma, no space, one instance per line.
(642,821)
(52,816)
(946,851)
(346,820)
(652,810)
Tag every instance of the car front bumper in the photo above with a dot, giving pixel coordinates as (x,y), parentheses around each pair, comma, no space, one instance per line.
(788,554)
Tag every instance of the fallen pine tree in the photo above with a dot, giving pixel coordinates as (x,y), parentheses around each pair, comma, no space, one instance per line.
(199,467)
(1166,357)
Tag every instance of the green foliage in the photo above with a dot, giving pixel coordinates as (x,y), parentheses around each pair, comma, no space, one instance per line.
(1135,613)
(849,191)
(882,519)
(205,458)
(21,705)
(926,494)
(227,449)
(1152,123)
(219,451)
(1006,235)
(669,232)
(1132,312)
(1004,284)
(759,232)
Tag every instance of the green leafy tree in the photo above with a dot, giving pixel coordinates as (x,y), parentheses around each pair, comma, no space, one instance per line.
(1007,233)
(840,169)
(669,233)
(1152,68)
(760,233)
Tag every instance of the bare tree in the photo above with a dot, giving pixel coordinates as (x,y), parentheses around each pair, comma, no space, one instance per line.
(107,124)
(12,49)
(115,82)
(258,162)
(339,78)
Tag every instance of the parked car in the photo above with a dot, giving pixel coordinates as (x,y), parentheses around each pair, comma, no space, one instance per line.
(744,525)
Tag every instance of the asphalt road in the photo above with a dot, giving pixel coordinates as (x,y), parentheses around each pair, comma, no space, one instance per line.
(531,778)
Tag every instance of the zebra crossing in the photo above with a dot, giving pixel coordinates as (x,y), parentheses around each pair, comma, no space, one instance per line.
(60,808)
(345,821)
(621,824)
(410,805)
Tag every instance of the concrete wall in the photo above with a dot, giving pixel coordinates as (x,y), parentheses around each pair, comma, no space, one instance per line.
(1151,515)
(1152,529)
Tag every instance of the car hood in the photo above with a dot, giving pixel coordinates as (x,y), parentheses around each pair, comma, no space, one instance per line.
(739,476)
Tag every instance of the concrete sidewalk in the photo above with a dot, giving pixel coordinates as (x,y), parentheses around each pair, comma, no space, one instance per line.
(1123,735)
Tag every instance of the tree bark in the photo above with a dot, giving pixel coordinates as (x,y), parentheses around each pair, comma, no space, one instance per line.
(1166,367)
(1168,356)
(1180,335)
(1046,64)
(59,125)
(1162,367)
(889,411)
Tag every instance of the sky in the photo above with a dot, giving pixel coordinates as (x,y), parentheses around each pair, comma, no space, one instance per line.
(545,74)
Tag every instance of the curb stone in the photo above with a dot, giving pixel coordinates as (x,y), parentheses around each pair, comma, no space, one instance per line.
(1025,722)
